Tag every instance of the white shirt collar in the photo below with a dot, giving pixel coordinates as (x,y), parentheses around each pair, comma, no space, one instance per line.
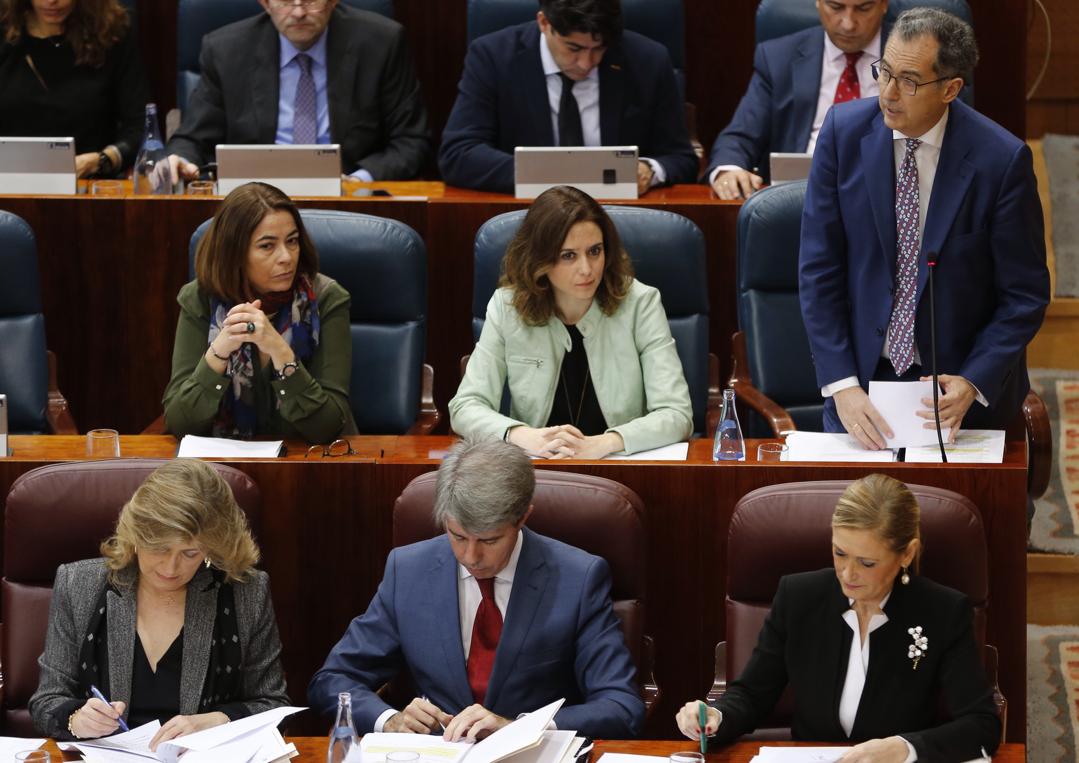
(316,51)
(832,52)
(883,601)
(550,66)
(506,573)
(934,136)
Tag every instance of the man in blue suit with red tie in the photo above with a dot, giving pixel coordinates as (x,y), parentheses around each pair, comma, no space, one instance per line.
(491,620)
(892,185)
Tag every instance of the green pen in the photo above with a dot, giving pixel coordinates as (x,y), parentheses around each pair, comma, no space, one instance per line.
(702,719)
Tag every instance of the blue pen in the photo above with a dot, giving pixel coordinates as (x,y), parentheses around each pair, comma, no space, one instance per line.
(97,693)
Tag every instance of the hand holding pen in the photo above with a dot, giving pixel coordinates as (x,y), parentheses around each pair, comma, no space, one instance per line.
(98,717)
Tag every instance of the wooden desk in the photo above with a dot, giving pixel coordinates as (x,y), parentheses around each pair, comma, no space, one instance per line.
(111,268)
(327,529)
(313,750)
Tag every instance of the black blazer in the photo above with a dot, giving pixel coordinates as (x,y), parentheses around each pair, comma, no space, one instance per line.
(806,643)
(376,112)
(502,103)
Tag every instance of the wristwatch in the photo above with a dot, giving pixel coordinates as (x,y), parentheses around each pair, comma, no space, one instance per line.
(105,167)
(288,369)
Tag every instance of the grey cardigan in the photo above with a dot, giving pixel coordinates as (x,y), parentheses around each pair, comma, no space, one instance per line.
(75,592)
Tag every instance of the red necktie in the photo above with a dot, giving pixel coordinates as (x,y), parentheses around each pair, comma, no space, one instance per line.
(848,88)
(485,634)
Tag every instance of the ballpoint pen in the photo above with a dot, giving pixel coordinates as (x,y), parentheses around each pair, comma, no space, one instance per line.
(97,693)
(702,719)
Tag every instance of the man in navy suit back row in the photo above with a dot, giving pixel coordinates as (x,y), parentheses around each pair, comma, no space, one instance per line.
(572,77)
(490,619)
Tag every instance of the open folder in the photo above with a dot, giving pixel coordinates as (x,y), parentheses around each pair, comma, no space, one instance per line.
(254,739)
(526,740)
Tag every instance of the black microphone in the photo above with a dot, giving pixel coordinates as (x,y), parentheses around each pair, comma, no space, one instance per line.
(931,259)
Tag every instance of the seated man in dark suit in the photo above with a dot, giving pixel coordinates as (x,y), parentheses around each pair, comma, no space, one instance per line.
(318,72)
(572,78)
(491,620)
(796,79)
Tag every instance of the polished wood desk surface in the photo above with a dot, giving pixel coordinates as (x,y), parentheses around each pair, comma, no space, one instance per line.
(313,750)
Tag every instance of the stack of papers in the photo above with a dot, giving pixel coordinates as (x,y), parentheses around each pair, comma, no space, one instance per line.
(828,446)
(254,739)
(971,446)
(526,740)
(898,403)
(799,754)
(11,745)
(192,446)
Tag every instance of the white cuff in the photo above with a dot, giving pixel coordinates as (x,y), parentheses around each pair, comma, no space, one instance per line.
(721,168)
(828,390)
(364,177)
(380,722)
(911,754)
(659,175)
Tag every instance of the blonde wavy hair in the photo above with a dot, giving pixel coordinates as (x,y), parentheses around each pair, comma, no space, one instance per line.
(884,506)
(181,501)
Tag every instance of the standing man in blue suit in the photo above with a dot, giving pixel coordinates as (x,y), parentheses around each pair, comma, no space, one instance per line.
(796,79)
(921,173)
(491,620)
(572,78)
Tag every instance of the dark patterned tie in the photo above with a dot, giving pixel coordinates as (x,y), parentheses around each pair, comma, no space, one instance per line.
(908,241)
(305,108)
(570,132)
(486,632)
(848,88)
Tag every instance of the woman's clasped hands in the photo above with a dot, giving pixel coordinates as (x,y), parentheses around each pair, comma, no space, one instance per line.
(246,322)
(564,441)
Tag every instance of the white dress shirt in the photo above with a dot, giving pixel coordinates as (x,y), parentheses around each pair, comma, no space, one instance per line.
(586,92)
(926,157)
(468,601)
(833,62)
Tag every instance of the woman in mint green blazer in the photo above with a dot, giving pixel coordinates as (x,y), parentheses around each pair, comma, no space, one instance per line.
(585,348)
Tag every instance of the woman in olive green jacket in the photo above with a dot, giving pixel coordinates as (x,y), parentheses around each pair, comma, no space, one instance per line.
(262,345)
(585,348)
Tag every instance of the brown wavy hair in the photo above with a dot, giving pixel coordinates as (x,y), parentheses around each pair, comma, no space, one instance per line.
(183,500)
(92,28)
(538,243)
(222,252)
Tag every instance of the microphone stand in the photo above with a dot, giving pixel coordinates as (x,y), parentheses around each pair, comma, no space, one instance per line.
(931,259)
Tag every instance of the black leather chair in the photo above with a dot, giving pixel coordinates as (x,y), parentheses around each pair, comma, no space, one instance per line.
(668,253)
(196,18)
(382,263)
(27,368)
(776,18)
(773,373)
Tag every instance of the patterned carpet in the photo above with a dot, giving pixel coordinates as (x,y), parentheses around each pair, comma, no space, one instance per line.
(1056,515)
(1062,162)
(1052,693)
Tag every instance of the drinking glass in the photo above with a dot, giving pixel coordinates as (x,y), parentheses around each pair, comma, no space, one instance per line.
(771,452)
(402,756)
(686,757)
(33,756)
(200,188)
(107,188)
(102,443)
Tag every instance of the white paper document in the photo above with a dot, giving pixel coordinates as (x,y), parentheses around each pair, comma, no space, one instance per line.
(431,748)
(971,446)
(674,452)
(831,446)
(11,745)
(621,757)
(898,402)
(192,446)
(800,754)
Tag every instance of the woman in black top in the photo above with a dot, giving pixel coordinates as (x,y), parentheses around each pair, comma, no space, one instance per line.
(71,68)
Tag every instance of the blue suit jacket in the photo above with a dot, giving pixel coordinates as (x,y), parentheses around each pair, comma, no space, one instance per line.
(560,639)
(985,223)
(776,113)
(502,103)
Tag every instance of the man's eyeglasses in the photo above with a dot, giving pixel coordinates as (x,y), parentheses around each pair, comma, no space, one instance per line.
(906,85)
(333,450)
(311,5)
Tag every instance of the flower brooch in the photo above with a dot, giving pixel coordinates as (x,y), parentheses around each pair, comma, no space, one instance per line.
(920,646)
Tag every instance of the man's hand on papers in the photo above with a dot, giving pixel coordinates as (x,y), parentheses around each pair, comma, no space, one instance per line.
(861,419)
(959,395)
(736,184)
(96,719)
(688,720)
(420,717)
(473,724)
(179,725)
(890,750)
